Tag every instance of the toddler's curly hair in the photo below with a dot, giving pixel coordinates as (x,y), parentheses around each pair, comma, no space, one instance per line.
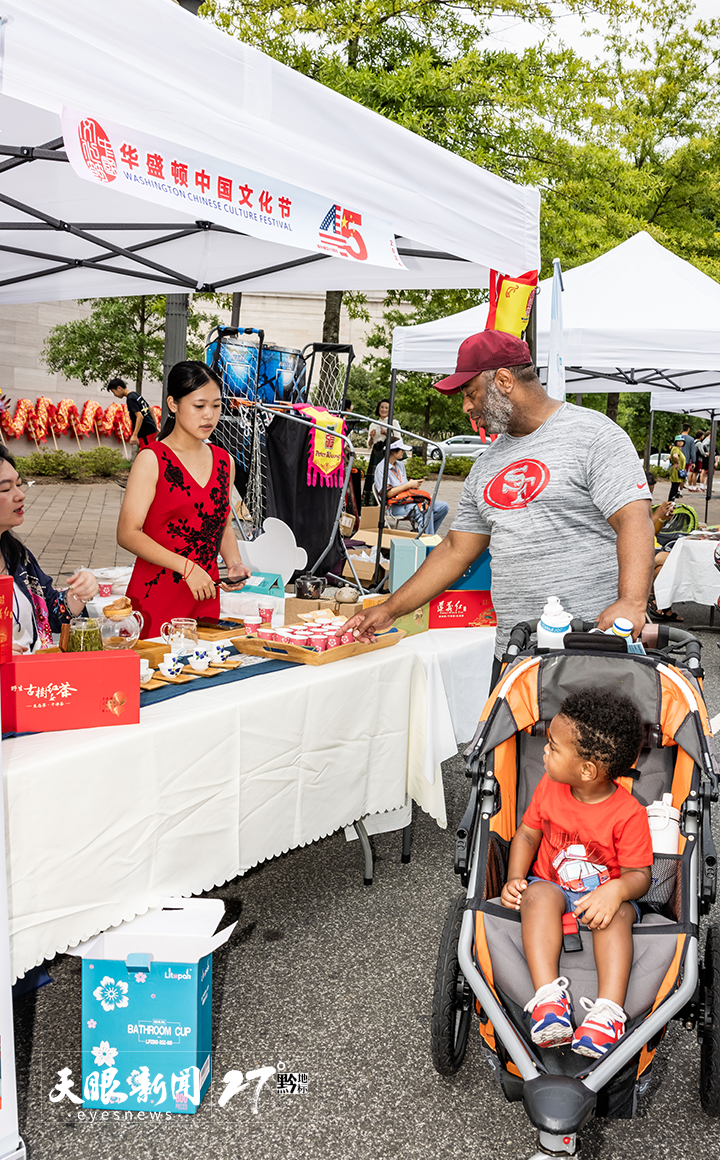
(608,728)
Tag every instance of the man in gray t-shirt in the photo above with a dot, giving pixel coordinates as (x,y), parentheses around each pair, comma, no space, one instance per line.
(560,498)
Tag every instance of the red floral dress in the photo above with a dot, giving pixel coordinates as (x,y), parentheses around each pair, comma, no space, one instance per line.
(186,519)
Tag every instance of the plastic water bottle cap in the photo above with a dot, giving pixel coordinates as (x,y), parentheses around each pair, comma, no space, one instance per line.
(622,627)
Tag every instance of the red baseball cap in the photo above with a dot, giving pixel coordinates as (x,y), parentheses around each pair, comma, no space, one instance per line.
(485,352)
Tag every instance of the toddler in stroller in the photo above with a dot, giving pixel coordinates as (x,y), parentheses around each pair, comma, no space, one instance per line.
(590,842)
(482,968)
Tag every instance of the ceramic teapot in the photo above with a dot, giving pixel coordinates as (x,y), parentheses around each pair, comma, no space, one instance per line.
(309,587)
(120,625)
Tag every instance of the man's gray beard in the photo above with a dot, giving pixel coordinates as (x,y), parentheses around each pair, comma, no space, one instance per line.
(497,412)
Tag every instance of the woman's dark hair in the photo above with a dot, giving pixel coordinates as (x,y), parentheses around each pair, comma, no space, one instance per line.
(608,728)
(13,550)
(377,409)
(184,378)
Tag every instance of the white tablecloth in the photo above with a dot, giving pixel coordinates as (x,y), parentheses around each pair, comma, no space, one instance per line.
(689,574)
(103,823)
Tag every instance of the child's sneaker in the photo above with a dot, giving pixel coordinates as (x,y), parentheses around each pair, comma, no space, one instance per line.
(601,1028)
(551,1018)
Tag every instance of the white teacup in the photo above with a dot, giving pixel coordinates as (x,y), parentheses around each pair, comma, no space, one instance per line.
(144,669)
(170,666)
(199,661)
(217,652)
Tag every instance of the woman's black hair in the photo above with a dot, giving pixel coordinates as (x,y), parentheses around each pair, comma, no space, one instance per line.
(377,409)
(13,550)
(184,378)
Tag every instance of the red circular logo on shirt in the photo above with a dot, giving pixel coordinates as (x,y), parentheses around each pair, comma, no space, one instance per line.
(517,485)
(98,153)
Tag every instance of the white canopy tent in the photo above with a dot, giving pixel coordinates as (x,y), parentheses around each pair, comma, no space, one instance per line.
(149,68)
(636,319)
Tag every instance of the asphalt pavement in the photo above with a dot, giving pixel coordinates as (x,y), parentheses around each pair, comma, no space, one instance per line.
(331,980)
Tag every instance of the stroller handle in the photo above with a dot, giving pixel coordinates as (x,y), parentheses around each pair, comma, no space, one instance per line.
(656,636)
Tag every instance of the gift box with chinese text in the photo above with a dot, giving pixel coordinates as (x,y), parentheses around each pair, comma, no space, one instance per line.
(6,618)
(147,1008)
(461,609)
(43,692)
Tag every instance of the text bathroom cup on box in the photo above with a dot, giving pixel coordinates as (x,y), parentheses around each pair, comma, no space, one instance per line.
(147,1008)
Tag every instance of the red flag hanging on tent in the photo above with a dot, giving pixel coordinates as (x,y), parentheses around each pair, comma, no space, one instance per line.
(511,301)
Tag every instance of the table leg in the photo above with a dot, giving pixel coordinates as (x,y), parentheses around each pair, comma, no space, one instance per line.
(711,627)
(366,849)
(406,840)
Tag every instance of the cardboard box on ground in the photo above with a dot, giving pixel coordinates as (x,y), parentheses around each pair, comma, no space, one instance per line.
(147,1008)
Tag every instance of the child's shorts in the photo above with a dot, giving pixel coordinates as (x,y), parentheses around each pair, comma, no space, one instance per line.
(572,897)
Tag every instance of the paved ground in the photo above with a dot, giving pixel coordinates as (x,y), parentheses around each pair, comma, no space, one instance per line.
(327,977)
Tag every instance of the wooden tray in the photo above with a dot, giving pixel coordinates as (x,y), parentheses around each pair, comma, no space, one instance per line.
(220,633)
(153,683)
(274,650)
(183,679)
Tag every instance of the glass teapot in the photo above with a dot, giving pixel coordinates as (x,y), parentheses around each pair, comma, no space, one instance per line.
(120,625)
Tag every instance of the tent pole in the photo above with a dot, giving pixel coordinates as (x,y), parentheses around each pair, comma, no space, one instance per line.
(235,317)
(578,398)
(176,312)
(648,444)
(386,468)
(711,462)
(531,333)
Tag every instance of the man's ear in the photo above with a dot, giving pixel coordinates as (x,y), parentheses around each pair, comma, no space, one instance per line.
(504,381)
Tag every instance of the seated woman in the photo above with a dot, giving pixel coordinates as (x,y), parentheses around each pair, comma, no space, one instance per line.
(398,483)
(39,609)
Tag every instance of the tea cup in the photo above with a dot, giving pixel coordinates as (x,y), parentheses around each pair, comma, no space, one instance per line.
(199,662)
(170,666)
(144,669)
(252,624)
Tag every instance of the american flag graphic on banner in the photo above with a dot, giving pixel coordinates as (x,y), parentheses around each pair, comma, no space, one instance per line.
(339,232)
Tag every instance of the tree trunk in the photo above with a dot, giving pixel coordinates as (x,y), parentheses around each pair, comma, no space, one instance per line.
(612,406)
(327,391)
(331,322)
(139,371)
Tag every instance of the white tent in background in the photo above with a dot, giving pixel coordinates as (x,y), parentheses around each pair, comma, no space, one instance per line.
(636,319)
(147,86)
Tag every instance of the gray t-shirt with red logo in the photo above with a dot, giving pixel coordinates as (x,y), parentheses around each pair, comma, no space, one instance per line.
(545,499)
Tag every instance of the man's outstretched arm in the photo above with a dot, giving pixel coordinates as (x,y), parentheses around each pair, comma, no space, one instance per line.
(442,567)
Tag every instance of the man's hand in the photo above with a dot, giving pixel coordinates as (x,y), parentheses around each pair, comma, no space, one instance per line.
(597,910)
(364,625)
(512,892)
(633,612)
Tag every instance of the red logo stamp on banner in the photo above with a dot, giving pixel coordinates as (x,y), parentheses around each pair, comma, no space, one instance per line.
(517,485)
(97,151)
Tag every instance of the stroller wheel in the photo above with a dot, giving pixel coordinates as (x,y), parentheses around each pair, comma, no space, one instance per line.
(453,1000)
(710,1015)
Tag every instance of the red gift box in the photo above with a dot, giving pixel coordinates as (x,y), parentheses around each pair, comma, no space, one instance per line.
(6,618)
(49,691)
(462,609)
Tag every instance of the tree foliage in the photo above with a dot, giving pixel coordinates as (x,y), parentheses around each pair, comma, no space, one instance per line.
(122,337)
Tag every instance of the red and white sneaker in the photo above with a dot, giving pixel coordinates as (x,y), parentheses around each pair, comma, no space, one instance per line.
(551,1018)
(601,1029)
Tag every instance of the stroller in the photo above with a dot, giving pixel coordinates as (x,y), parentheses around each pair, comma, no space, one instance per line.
(481,967)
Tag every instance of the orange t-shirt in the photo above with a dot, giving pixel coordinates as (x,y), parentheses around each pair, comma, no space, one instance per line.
(585,845)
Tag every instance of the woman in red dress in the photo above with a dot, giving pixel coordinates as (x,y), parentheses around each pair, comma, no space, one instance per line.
(175,515)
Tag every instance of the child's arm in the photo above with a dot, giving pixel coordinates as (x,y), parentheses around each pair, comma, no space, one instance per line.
(599,907)
(523,849)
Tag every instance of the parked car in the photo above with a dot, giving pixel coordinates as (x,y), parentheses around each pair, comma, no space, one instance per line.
(470,446)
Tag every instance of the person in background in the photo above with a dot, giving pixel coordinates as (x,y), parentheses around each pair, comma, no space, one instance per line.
(703,448)
(376,442)
(677,466)
(661,513)
(690,453)
(398,484)
(144,430)
(39,609)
